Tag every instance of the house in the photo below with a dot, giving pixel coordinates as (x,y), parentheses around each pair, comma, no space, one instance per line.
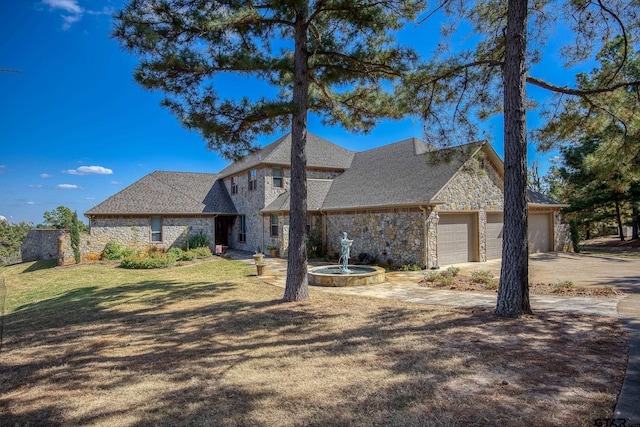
(403,203)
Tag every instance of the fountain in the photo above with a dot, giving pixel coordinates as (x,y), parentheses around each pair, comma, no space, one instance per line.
(345,274)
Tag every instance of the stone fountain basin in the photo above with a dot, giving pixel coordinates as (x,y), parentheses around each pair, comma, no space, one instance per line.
(360,275)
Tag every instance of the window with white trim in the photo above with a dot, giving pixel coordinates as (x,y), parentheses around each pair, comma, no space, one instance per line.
(277,177)
(156,229)
(274,225)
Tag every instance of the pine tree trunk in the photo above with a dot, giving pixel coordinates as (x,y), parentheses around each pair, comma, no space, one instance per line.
(513,293)
(297,286)
(635,214)
(619,221)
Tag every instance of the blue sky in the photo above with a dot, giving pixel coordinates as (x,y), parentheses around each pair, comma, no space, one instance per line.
(75,128)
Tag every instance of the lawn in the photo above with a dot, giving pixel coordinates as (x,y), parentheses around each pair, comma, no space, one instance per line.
(210,344)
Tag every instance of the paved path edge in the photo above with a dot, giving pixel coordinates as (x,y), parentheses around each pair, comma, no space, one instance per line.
(628,406)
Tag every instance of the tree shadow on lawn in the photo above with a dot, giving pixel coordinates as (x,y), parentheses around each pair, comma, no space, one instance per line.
(40,265)
(168,353)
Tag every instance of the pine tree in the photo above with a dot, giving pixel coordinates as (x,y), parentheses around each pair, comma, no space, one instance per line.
(334,58)
(491,78)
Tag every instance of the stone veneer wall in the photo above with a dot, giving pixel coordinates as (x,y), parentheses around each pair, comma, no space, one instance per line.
(390,235)
(250,202)
(474,190)
(135,232)
(40,244)
(397,235)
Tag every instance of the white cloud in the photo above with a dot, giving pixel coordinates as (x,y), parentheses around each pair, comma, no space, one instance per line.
(70,6)
(31,203)
(89,170)
(67,187)
(71,11)
(90,198)
(45,175)
(115,183)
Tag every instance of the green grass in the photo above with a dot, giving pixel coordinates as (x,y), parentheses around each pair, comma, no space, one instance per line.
(211,344)
(31,283)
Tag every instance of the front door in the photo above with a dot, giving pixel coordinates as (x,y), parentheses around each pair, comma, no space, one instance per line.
(222,230)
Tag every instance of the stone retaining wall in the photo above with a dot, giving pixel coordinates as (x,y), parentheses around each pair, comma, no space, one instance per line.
(40,244)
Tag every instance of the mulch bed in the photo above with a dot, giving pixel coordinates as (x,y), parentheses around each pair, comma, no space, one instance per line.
(464,283)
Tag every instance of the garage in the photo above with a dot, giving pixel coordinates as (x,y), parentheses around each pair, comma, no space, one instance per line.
(540,233)
(494,235)
(456,238)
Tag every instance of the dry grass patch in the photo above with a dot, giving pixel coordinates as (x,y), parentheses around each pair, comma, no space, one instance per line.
(210,344)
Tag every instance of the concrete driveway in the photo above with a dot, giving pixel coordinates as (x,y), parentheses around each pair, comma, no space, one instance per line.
(583,270)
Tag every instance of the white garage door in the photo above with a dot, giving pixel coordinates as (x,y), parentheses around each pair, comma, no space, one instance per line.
(456,238)
(539,232)
(494,235)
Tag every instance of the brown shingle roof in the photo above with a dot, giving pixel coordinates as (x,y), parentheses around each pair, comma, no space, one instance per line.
(169,193)
(399,174)
(320,153)
(316,192)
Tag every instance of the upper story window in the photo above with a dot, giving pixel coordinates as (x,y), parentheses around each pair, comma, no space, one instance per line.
(156,229)
(253,179)
(277,177)
(234,185)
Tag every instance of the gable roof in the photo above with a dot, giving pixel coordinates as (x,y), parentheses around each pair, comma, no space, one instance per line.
(170,193)
(320,153)
(400,174)
(317,190)
(535,198)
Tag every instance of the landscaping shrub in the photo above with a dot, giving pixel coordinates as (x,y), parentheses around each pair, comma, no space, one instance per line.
(154,260)
(113,251)
(410,267)
(484,276)
(453,271)
(565,286)
(198,240)
(202,252)
(177,252)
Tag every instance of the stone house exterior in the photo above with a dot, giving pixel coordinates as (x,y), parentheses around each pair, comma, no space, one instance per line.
(403,203)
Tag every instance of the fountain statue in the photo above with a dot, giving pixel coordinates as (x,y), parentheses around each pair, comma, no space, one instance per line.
(346,249)
(342,275)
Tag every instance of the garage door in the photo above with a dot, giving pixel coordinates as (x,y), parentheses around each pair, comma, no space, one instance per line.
(539,232)
(494,235)
(456,238)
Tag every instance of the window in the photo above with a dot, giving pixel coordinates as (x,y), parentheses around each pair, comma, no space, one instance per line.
(277,177)
(308,224)
(234,185)
(253,179)
(242,235)
(274,225)
(156,229)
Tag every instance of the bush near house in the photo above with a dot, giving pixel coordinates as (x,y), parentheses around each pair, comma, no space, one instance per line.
(156,258)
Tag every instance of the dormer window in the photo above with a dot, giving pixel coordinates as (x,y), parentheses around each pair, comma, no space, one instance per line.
(277,177)
(234,185)
(253,179)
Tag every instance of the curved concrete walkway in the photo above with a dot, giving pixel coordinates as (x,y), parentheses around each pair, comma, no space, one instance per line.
(404,286)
